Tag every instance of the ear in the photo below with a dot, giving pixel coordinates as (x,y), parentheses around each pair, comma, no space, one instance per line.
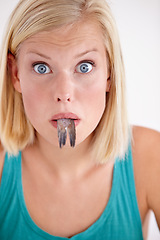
(108,84)
(13,69)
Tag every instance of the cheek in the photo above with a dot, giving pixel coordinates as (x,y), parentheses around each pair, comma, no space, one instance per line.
(95,100)
(96,92)
(93,105)
(32,99)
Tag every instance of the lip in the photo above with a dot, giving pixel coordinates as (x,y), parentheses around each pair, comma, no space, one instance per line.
(64,115)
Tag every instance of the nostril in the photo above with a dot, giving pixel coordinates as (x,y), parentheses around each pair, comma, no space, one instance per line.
(63,99)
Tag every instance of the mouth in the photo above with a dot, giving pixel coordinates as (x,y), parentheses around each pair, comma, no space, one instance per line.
(72,116)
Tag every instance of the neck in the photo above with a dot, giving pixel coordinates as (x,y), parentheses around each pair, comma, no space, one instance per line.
(71,162)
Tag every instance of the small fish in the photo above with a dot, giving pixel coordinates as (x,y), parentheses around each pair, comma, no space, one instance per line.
(64,125)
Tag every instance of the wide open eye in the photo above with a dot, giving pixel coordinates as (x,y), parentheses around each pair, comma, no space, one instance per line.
(84,67)
(41,68)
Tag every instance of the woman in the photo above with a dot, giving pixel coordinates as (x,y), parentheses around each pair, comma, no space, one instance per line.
(62,62)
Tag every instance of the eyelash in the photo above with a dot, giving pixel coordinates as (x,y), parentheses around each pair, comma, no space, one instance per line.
(87,62)
(38,63)
(84,61)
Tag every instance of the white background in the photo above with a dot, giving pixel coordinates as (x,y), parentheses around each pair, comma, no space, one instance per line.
(138,23)
(139,28)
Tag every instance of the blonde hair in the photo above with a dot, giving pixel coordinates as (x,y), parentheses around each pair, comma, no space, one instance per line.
(110,138)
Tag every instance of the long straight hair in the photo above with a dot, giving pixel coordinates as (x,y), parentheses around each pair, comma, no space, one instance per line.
(111,136)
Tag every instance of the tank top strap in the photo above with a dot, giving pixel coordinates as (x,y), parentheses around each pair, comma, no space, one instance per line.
(126,197)
(10,176)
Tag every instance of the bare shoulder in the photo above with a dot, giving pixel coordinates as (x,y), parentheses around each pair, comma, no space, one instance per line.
(146,159)
(2,155)
(146,145)
(146,135)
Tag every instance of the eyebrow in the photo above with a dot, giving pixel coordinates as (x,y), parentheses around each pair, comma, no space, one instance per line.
(39,54)
(86,52)
(77,56)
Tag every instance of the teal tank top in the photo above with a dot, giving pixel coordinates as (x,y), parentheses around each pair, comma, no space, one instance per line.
(120,219)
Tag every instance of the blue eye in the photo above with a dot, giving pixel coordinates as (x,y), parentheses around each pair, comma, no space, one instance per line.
(84,67)
(41,68)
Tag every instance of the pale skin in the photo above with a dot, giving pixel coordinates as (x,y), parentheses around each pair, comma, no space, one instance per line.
(61,184)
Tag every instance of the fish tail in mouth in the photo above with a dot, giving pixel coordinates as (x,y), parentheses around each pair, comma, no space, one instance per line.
(64,125)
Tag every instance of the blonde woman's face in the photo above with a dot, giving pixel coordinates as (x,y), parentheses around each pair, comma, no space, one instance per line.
(63,73)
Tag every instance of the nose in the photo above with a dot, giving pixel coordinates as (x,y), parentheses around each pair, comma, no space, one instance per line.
(64,89)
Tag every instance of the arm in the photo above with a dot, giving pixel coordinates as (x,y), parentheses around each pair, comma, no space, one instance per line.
(146,156)
(1,161)
(153,188)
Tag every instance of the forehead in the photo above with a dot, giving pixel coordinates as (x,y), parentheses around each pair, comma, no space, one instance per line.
(82,33)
